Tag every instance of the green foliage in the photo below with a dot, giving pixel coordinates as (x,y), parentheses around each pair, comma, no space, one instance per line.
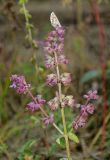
(26,149)
(28,25)
(79,44)
(108,73)
(90,75)
(53,149)
(37,157)
(27,146)
(22,11)
(21,2)
(61,141)
(27,69)
(3,148)
(73,137)
(103,1)
(93,74)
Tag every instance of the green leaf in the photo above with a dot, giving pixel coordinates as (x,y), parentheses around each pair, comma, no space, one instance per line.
(21,11)
(61,141)
(108,100)
(99,1)
(90,75)
(108,73)
(3,148)
(27,68)
(27,146)
(73,137)
(34,118)
(37,157)
(21,2)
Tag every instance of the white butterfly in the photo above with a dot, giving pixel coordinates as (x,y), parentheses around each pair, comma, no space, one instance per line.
(54,20)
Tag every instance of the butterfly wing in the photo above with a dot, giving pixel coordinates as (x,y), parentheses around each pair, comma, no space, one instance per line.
(54,20)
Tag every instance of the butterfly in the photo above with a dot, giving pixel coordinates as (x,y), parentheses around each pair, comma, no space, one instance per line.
(54,20)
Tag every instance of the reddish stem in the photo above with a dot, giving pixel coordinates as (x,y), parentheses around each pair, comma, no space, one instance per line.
(35,100)
(100,25)
(43,111)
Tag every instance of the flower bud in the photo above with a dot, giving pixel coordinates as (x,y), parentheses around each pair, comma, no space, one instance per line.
(66,79)
(53,103)
(48,120)
(51,79)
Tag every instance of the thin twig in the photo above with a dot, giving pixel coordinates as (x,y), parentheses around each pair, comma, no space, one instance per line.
(44,112)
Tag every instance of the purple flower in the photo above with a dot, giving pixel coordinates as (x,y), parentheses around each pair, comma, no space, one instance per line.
(70,101)
(80,120)
(51,79)
(52,35)
(59,48)
(55,41)
(48,120)
(75,125)
(66,78)
(53,103)
(91,95)
(19,83)
(90,108)
(40,100)
(87,109)
(35,105)
(83,110)
(62,59)
(48,48)
(61,32)
(49,61)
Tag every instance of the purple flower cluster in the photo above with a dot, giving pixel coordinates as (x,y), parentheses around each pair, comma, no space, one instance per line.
(53,103)
(85,110)
(50,61)
(91,95)
(66,101)
(51,79)
(55,41)
(19,84)
(48,120)
(36,104)
(54,44)
(65,79)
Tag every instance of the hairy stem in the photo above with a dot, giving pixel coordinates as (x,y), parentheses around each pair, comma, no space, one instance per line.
(62,109)
(44,112)
(27,24)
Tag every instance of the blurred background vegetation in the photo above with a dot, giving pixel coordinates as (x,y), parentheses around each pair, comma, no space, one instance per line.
(21,134)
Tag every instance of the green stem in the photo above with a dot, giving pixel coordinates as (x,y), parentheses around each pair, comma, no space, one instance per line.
(79,13)
(65,134)
(58,129)
(62,109)
(27,24)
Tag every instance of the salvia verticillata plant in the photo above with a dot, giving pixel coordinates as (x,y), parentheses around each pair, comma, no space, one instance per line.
(54,58)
